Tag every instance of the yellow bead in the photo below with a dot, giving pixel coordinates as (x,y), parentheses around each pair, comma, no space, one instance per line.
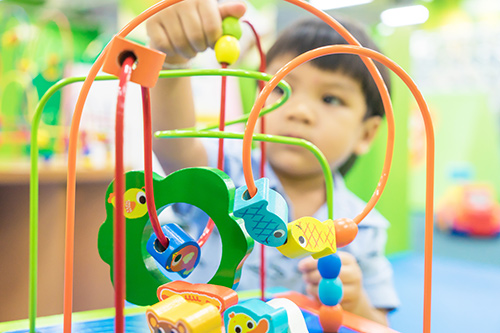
(227,50)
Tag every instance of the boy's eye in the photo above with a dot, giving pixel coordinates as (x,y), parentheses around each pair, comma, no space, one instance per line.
(333,100)
(278,90)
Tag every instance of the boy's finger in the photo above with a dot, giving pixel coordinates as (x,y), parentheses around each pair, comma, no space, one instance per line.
(192,25)
(177,36)
(307,265)
(312,277)
(235,8)
(312,290)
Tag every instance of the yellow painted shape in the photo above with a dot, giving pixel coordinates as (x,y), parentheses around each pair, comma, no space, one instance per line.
(134,203)
(309,236)
(186,317)
(191,296)
(240,320)
(330,242)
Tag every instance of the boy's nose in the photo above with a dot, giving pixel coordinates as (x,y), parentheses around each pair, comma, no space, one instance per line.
(301,112)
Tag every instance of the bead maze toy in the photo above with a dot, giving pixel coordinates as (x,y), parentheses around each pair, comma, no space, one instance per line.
(133,243)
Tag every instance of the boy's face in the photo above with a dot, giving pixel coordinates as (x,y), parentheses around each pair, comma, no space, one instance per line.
(326,108)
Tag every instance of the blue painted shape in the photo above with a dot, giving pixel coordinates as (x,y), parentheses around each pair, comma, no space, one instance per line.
(255,314)
(265,215)
(329,266)
(182,254)
(330,291)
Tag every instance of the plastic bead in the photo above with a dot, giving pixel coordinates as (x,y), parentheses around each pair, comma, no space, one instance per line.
(231,27)
(330,318)
(309,236)
(329,266)
(175,314)
(148,65)
(227,50)
(265,214)
(330,291)
(255,315)
(182,254)
(345,230)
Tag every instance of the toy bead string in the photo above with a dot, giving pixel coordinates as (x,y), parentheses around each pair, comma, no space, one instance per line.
(119,189)
(350,49)
(34,176)
(262,69)
(148,167)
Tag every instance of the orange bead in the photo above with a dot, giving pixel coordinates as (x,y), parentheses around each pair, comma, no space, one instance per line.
(345,231)
(330,318)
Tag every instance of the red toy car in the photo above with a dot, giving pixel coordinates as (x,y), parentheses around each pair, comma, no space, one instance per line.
(471,210)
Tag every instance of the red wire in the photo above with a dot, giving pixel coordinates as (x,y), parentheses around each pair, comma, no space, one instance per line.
(119,234)
(220,158)
(262,69)
(222,119)
(148,168)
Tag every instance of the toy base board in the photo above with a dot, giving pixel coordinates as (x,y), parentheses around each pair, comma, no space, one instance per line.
(137,323)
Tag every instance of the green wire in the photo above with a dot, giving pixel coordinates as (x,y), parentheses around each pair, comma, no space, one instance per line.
(34,153)
(268,138)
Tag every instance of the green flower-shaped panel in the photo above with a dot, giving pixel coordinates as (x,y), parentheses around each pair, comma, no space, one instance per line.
(209,189)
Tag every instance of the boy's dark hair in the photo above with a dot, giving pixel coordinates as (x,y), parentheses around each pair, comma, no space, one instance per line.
(312,33)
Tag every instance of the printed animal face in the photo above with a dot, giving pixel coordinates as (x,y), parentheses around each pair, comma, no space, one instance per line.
(162,326)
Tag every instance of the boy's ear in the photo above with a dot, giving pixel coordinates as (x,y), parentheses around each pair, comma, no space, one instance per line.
(369,130)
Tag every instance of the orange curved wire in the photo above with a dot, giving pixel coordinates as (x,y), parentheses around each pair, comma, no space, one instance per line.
(259,103)
(72,152)
(351,49)
(351,40)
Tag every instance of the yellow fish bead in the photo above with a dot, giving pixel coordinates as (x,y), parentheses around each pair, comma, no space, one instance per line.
(309,236)
(227,50)
(306,236)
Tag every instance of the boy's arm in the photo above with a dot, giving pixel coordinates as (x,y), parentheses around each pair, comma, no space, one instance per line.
(181,31)
(173,108)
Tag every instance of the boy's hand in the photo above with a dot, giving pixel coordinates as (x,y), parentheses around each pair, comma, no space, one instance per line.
(190,26)
(350,275)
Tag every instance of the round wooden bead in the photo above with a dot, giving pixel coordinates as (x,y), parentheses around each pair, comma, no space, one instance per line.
(345,231)
(231,26)
(329,266)
(330,291)
(227,50)
(330,318)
